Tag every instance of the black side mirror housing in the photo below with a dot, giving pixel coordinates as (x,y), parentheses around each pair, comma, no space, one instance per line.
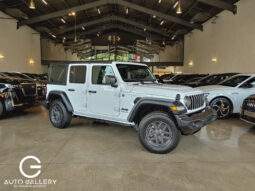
(113,82)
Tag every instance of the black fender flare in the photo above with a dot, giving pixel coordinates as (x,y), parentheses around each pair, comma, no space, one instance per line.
(62,95)
(139,102)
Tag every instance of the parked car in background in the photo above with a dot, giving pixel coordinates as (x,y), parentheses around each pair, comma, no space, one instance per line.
(212,79)
(182,78)
(228,96)
(15,93)
(247,111)
(167,76)
(28,87)
(159,79)
(41,84)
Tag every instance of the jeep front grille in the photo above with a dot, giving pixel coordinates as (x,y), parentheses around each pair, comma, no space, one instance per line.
(197,101)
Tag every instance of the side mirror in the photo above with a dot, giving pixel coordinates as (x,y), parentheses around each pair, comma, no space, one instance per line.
(113,82)
(247,86)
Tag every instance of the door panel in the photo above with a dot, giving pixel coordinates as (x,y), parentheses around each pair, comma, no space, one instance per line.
(102,98)
(76,88)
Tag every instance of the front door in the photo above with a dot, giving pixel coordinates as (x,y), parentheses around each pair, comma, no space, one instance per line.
(246,91)
(76,88)
(102,98)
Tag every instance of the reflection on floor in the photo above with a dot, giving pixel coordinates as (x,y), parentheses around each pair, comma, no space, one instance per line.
(92,156)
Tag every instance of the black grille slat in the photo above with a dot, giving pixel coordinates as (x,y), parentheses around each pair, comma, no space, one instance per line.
(29,89)
(197,101)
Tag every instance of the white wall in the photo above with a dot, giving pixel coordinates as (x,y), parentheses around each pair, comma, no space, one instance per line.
(169,54)
(231,40)
(18,47)
(52,51)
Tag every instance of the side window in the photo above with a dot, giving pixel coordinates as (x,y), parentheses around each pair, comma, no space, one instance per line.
(251,81)
(77,74)
(102,75)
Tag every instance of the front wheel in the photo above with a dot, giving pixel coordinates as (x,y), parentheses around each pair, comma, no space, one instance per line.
(158,133)
(59,116)
(222,106)
(2,110)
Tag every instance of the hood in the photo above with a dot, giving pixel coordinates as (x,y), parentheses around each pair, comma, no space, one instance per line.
(214,88)
(163,90)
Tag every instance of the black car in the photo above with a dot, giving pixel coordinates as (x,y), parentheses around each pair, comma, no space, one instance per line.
(247,112)
(15,93)
(181,79)
(41,84)
(212,79)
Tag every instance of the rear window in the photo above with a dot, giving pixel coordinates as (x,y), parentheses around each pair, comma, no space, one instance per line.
(58,74)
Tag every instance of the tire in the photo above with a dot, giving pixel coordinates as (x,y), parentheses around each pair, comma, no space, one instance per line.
(2,110)
(59,116)
(158,133)
(222,106)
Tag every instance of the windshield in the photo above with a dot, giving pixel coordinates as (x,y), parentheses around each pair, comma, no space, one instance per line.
(167,76)
(135,73)
(16,75)
(235,81)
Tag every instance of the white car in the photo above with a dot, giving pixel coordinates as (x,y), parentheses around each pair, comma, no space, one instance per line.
(228,96)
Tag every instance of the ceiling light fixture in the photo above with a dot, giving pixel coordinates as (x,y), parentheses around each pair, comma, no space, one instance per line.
(127,11)
(98,10)
(214,60)
(162,22)
(64,40)
(144,29)
(72,14)
(159,1)
(63,20)
(32,4)
(98,34)
(45,2)
(179,8)
(154,16)
(1,56)
(173,37)
(176,3)
(83,28)
(54,36)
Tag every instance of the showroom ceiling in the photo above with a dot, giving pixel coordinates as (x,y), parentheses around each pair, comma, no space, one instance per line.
(104,22)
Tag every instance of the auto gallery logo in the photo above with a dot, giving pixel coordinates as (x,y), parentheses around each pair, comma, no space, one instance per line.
(31,172)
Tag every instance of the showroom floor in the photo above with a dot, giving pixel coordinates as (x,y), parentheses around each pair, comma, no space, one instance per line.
(93,156)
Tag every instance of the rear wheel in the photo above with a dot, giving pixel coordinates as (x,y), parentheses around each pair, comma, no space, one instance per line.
(222,106)
(59,116)
(158,133)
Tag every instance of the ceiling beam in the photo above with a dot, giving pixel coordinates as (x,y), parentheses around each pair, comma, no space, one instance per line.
(107,27)
(220,4)
(114,18)
(104,2)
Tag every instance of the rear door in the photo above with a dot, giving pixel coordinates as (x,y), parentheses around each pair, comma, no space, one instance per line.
(76,88)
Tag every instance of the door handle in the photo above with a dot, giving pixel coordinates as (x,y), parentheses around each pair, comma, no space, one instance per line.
(71,90)
(92,92)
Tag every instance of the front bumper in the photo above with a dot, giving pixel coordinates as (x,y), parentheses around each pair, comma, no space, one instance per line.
(192,124)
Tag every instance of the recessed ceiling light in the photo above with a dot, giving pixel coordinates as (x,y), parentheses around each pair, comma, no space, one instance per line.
(98,34)
(173,37)
(98,10)
(127,10)
(63,20)
(54,36)
(1,56)
(144,29)
(162,22)
(83,28)
(154,16)
(72,13)
(64,39)
(159,1)
(45,2)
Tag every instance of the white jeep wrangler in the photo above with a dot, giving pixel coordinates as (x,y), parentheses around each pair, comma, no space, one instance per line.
(128,94)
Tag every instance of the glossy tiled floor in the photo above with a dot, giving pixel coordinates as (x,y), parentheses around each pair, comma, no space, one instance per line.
(89,156)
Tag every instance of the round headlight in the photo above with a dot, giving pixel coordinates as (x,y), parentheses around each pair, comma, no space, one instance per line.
(187,101)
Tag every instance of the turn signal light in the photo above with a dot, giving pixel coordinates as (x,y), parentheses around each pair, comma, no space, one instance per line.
(2,95)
